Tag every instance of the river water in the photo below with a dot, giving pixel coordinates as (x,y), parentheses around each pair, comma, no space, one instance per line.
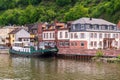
(19,68)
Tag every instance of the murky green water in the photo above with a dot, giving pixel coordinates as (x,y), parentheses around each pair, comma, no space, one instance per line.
(18,68)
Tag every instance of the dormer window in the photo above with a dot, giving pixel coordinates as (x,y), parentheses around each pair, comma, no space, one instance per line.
(111,27)
(96,26)
(82,27)
(106,27)
(87,26)
(73,27)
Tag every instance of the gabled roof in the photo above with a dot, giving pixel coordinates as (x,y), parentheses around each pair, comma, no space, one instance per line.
(92,21)
(15,31)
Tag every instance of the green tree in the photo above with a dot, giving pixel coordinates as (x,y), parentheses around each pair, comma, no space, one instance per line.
(63,2)
(76,12)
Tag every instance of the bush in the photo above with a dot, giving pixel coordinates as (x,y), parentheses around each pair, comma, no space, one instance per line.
(99,53)
(118,57)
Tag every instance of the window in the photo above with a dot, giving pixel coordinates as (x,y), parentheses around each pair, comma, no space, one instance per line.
(111,27)
(66,43)
(47,35)
(82,27)
(71,35)
(50,35)
(72,44)
(91,43)
(73,27)
(106,27)
(116,36)
(82,44)
(82,35)
(95,35)
(87,26)
(20,39)
(61,43)
(116,43)
(66,34)
(60,34)
(105,35)
(100,35)
(75,35)
(95,26)
(91,35)
(109,35)
(113,35)
(100,43)
(53,35)
(43,35)
(95,44)
(25,39)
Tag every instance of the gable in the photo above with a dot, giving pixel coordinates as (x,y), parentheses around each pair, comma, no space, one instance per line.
(22,33)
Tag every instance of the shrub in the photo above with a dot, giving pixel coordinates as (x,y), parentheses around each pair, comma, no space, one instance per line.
(99,53)
(118,57)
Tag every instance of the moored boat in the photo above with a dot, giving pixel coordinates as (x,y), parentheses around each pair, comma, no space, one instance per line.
(43,50)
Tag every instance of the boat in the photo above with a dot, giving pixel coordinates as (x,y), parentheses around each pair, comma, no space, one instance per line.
(43,50)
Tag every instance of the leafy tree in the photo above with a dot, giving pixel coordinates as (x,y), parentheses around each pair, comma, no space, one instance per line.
(76,12)
(63,2)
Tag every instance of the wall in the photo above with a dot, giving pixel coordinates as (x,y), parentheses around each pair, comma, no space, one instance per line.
(22,33)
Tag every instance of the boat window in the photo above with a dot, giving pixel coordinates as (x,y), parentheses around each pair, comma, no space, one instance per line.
(18,44)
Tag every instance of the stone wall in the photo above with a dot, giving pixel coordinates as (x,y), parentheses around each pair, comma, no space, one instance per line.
(112,53)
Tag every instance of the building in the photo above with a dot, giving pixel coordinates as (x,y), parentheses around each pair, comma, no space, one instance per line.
(55,33)
(4,37)
(19,34)
(33,30)
(84,33)
(91,33)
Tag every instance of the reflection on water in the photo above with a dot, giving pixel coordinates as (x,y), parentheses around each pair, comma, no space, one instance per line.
(18,68)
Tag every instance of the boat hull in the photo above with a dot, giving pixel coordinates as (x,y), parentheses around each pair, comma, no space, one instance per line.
(43,53)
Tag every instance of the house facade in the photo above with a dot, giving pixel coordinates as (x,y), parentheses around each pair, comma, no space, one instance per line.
(56,33)
(19,34)
(84,33)
(4,37)
(91,33)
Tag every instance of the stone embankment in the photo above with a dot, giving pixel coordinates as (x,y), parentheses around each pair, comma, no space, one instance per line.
(85,52)
(112,53)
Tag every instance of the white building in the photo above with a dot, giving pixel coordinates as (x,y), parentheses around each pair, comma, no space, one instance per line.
(19,34)
(91,33)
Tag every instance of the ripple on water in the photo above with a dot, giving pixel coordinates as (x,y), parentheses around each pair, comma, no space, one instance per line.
(18,68)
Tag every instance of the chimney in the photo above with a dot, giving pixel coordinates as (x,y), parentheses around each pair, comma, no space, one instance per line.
(90,18)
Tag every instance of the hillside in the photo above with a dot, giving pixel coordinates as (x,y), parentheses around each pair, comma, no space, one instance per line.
(22,12)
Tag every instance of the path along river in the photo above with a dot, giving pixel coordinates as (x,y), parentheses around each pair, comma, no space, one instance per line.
(19,68)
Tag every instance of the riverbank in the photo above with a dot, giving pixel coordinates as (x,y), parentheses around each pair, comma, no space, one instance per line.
(4,51)
(106,60)
(85,54)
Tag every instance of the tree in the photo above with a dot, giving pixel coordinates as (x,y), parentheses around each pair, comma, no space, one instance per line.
(63,2)
(76,12)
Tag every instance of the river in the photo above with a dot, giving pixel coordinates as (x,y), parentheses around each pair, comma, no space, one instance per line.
(19,68)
